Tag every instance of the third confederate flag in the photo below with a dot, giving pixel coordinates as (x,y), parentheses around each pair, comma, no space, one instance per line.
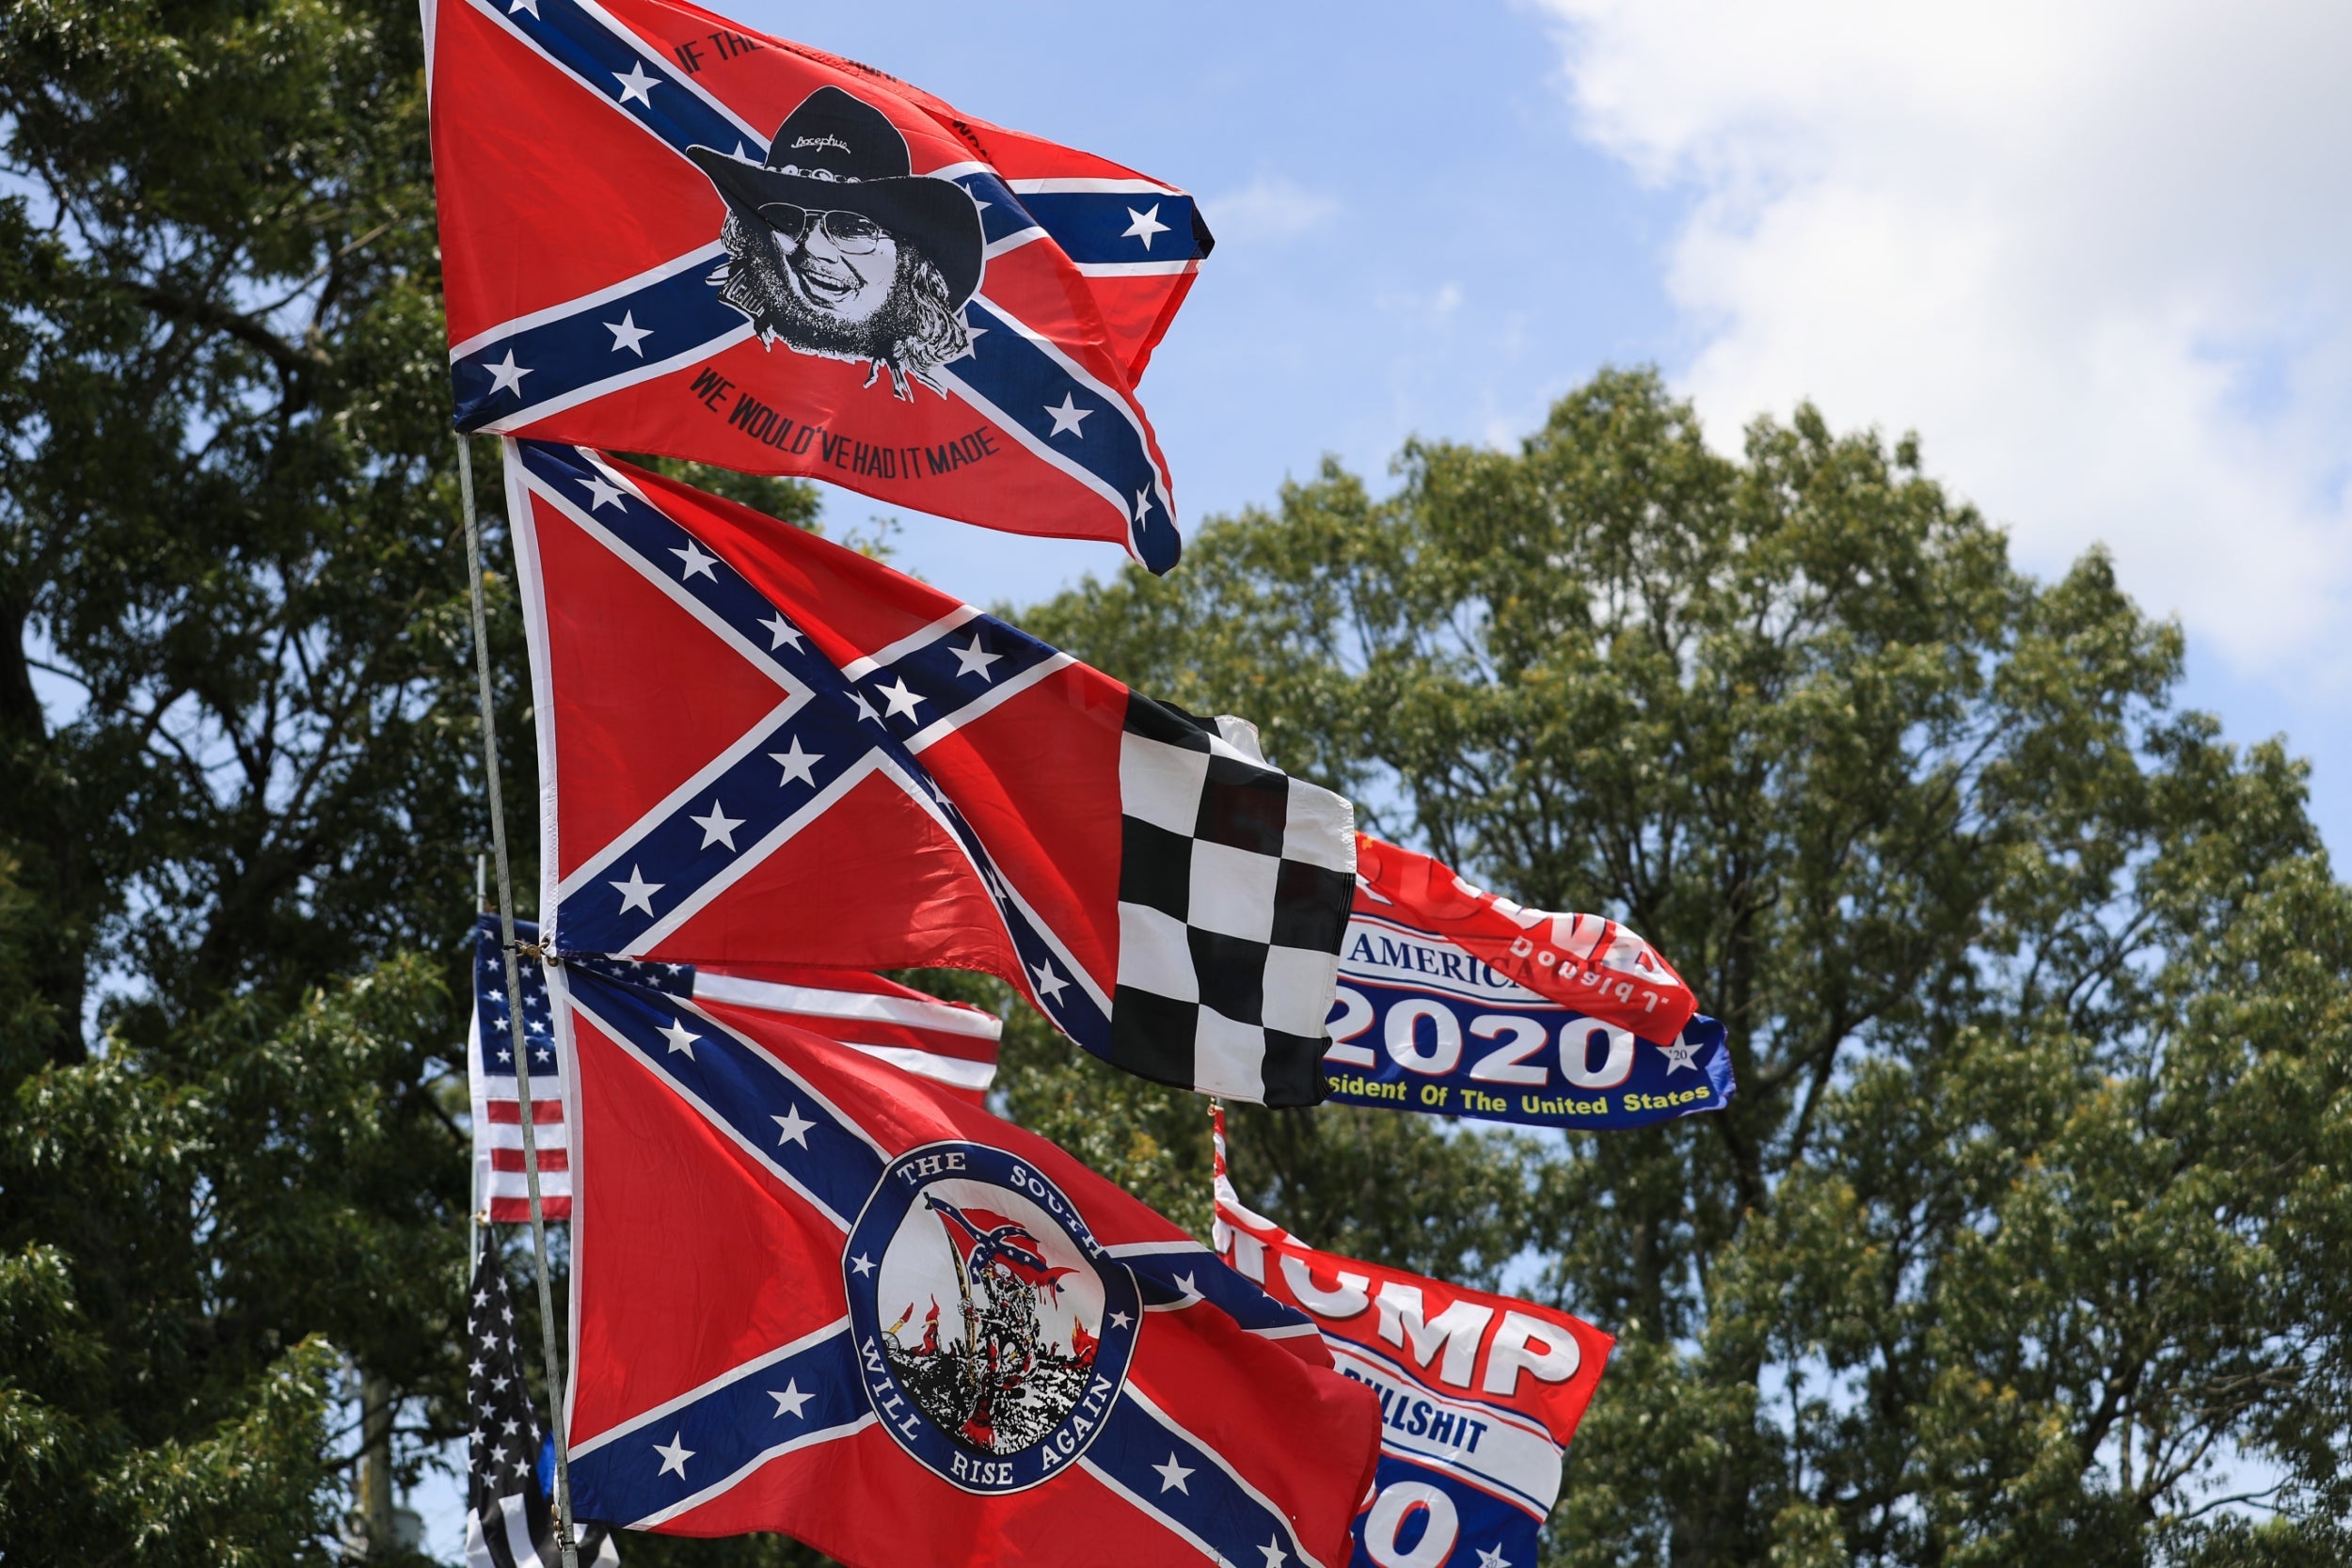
(816,1295)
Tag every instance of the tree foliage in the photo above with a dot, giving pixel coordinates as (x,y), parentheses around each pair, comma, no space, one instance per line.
(2025,1217)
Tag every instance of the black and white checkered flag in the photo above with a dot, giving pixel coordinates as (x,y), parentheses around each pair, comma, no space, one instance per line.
(1234,885)
(510,1521)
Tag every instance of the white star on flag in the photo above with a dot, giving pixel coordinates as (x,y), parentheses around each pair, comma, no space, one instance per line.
(900,697)
(861,1264)
(1678,1056)
(680,1037)
(628,335)
(602,492)
(1143,504)
(794,1127)
(865,708)
(973,660)
(1492,1557)
(639,86)
(783,631)
(506,375)
(1049,985)
(637,893)
(1147,223)
(675,1455)
(693,562)
(1172,1476)
(718,828)
(796,764)
(520,6)
(1274,1554)
(1067,417)
(789,1401)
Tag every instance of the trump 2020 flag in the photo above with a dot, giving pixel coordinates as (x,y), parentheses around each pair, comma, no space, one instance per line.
(1479,1394)
(814,1294)
(759,746)
(664,232)
(1454,1002)
(949,1042)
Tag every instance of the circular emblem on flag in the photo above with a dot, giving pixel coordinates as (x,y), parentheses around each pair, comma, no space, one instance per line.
(992,1333)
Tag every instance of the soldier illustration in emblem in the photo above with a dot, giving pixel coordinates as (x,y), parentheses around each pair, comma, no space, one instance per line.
(997,1375)
(835,247)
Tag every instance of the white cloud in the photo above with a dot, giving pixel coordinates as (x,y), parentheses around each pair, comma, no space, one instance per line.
(2098,254)
(1270,208)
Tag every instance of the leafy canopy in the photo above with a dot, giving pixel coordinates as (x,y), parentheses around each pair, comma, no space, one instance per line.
(2030,1208)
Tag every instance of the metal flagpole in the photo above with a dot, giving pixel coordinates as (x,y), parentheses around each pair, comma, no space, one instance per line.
(513,993)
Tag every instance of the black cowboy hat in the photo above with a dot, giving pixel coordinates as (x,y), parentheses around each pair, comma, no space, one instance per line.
(836,153)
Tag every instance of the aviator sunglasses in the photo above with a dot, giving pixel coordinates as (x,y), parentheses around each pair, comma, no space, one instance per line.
(851,232)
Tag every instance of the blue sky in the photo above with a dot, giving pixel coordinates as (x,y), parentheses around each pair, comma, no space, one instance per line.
(1434,219)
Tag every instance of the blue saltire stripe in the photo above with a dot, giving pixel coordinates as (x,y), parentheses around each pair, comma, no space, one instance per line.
(1180,1272)
(593,917)
(679,313)
(1021,383)
(1139,1452)
(726,1431)
(1090,227)
(828,1157)
(600,53)
(1006,370)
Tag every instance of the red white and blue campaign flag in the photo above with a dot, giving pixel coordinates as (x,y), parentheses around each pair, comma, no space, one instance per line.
(1479,1394)
(664,233)
(1456,1002)
(949,1042)
(814,1294)
(754,744)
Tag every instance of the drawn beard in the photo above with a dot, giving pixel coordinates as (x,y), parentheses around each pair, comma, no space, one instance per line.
(913,332)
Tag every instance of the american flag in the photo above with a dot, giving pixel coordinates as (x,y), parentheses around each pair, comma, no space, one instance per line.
(509,1521)
(948,1043)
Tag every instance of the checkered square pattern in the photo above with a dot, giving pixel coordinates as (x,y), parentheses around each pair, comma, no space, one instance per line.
(1234,885)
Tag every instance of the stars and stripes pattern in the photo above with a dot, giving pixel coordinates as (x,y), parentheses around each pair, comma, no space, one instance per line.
(509,1520)
(583,242)
(1167,898)
(502,1027)
(951,1044)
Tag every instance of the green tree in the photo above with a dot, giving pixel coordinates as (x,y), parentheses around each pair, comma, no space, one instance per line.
(2030,1205)
(234,769)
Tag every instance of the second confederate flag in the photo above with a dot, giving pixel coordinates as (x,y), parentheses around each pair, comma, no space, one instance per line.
(761,747)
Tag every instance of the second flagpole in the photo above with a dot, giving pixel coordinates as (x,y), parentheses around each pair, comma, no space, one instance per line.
(513,991)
